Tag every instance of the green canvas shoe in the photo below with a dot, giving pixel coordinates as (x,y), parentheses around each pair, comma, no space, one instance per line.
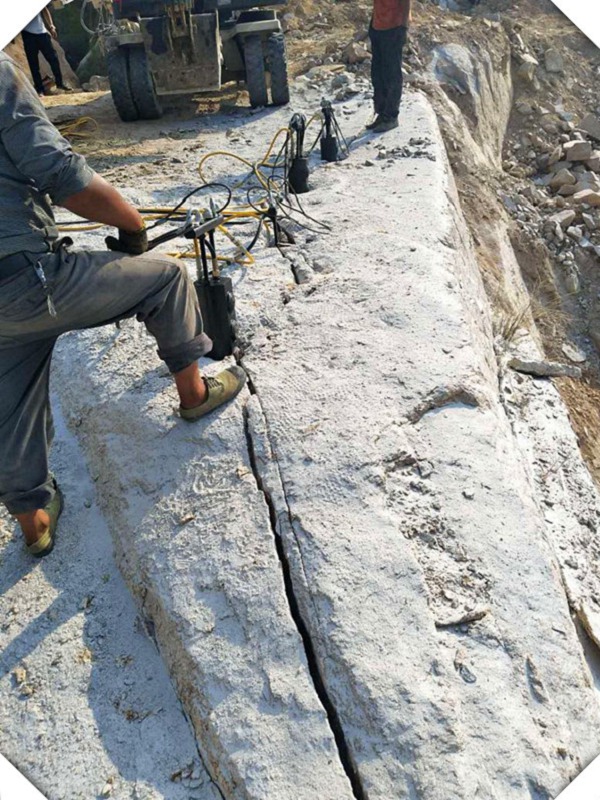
(45,544)
(385,125)
(371,125)
(221,389)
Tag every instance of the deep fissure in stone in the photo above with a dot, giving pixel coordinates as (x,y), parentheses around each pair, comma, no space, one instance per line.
(313,665)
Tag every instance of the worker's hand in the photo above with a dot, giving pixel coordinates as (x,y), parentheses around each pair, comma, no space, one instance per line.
(52,32)
(134,243)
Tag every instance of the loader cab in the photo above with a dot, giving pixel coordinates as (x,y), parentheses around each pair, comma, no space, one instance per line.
(170,47)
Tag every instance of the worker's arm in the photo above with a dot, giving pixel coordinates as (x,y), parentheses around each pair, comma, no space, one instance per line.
(101,202)
(49,22)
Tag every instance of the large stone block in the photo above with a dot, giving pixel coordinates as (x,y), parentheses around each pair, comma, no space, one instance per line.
(377,451)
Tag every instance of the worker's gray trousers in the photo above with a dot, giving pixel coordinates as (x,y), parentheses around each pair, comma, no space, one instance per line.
(88,289)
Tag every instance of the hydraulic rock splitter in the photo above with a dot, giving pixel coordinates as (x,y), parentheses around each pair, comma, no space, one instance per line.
(215,291)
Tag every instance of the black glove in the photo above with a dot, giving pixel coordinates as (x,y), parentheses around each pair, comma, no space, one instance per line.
(133,243)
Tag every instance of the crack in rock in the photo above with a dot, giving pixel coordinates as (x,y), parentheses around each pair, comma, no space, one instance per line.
(535,682)
(149,626)
(260,452)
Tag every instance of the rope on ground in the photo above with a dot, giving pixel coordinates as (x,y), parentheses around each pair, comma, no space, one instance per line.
(77,128)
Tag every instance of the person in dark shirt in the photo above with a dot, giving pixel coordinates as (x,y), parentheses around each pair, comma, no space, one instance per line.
(37,38)
(388,31)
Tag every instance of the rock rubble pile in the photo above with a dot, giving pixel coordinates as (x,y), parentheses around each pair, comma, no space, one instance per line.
(560,199)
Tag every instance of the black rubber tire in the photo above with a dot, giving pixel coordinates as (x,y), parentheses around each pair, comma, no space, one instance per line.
(142,85)
(280,88)
(118,76)
(256,77)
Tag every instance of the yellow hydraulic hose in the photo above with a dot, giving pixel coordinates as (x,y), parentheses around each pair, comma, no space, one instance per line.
(254,167)
(73,128)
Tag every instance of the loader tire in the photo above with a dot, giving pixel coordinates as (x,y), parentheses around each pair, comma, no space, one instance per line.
(118,77)
(280,88)
(256,78)
(142,85)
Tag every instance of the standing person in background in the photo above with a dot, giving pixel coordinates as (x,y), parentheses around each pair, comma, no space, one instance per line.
(37,38)
(388,30)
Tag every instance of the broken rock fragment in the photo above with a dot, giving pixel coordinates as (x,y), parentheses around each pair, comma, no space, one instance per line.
(528,67)
(356,53)
(563,177)
(555,156)
(591,125)
(544,369)
(577,151)
(563,218)
(589,221)
(589,197)
(573,354)
(553,61)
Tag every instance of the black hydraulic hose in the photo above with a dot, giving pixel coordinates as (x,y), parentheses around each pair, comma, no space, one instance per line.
(193,192)
(252,244)
(168,236)
(317,140)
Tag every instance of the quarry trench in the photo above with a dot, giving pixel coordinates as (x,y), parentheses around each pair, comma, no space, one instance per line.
(351,573)
(532,311)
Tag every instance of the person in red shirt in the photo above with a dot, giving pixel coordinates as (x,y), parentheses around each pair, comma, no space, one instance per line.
(388,31)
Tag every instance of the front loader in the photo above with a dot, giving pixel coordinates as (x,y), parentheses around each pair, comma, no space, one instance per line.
(159,48)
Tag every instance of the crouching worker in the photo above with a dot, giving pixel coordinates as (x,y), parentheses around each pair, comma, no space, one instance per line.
(45,291)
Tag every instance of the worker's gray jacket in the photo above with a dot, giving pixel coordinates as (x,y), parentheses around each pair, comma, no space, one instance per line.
(36,166)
